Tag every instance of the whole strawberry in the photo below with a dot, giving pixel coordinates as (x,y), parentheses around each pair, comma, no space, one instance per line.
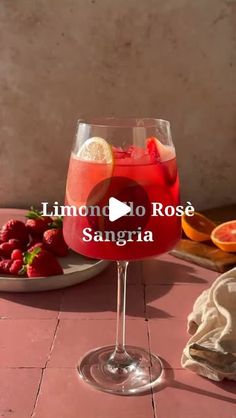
(37,245)
(16,243)
(41,263)
(16,267)
(54,241)
(36,223)
(17,255)
(14,229)
(6,248)
(5,266)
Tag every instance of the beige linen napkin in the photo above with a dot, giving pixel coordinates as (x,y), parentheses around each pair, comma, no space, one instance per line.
(211,351)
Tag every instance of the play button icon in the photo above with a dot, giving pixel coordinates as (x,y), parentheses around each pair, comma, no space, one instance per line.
(112,199)
(117,209)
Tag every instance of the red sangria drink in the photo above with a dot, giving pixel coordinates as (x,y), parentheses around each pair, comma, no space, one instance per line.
(121,198)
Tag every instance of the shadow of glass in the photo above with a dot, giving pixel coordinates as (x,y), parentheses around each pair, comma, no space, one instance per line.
(50,300)
(227,386)
(88,297)
(168,272)
(94,299)
(168,380)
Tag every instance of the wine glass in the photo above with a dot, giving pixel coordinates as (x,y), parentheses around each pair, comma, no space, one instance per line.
(130,162)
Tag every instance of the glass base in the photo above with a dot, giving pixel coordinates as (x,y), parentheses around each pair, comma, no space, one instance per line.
(138,373)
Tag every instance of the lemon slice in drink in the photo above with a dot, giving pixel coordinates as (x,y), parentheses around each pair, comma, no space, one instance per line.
(92,165)
(96,149)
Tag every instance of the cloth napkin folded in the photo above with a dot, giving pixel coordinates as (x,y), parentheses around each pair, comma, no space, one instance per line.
(211,351)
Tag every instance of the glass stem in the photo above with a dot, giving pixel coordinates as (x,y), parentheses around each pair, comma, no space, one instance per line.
(121,306)
(120,359)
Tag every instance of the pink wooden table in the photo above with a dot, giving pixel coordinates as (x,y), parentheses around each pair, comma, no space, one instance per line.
(42,336)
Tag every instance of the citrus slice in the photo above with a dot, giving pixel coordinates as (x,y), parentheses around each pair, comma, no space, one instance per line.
(197,227)
(224,236)
(93,163)
(96,149)
(158,150)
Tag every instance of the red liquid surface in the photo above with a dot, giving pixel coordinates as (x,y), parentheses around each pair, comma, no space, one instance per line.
(159,180)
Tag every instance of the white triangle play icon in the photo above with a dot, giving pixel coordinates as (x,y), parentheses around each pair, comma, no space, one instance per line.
(117,209)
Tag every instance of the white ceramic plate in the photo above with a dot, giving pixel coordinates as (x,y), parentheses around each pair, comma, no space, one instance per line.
(76,267)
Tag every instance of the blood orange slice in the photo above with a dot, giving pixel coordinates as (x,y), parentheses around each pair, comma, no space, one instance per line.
(224,236)
(197,227)
(159,151)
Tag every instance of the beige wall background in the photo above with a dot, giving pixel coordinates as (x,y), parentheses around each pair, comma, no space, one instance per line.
(60,59)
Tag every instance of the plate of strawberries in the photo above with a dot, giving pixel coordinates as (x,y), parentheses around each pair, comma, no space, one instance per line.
(34,256)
